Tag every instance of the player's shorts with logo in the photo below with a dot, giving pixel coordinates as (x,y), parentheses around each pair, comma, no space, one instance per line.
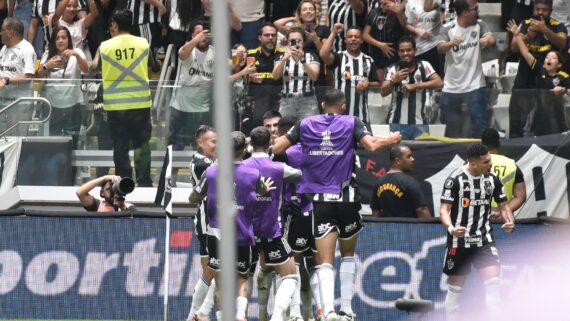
(199,222)
(342,216)
(275,251)
(299,233)
(458,260)
(244,256)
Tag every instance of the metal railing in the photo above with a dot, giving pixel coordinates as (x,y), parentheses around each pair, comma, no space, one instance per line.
(26,122)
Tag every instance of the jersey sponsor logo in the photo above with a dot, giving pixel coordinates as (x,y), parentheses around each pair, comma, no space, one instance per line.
(260,198)
(241,264)
(473,239)
(449,183)
(195,71)
(301,241)
(273,255)
(324,227)
(359,78)
(466,46)
(469,202)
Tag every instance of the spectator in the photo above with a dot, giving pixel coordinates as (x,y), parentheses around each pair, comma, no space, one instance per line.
(385,25)
(276,9)
(408,80)
(235,22)
(547,115)
(251,13)
(506,170)
(541,35)
(147,15)
(192,98)
(17,58)
(299,69)
(306,17)
(561,12)
(98,31)
(42,11)
(66,15)
(347,13)
(124,60)
(263,89)
(425,26)
(62,65)
(270,121)
(464,82)
(239,78)
(397,194)
(22,9)
(354,71)
(110,202)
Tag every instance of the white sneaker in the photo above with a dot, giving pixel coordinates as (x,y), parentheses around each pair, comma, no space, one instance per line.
(332,316)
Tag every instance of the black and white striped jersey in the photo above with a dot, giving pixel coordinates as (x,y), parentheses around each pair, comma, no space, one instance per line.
(198,166)
(42,9)
(295,79)
(348,72)
(341,11)
(470,197)
(143,12)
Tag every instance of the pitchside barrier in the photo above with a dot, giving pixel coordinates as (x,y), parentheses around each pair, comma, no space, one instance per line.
(110,267)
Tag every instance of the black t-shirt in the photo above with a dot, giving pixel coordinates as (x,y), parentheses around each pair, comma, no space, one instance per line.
(264,66)
(397,195)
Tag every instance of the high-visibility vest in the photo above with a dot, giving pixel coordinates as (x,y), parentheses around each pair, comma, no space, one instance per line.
(124,61)
(506,169)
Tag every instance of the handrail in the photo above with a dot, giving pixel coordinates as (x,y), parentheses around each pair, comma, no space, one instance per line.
(24,122)
(164,75)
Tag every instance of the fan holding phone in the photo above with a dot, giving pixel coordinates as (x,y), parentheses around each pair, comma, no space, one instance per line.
(407,81)
(299,70)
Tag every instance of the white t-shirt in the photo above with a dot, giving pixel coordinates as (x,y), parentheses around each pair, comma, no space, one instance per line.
(77,30)
(463,70)
(17,60)
(63,87)
(194,82)
(249,10)
(418,18)
(561,11)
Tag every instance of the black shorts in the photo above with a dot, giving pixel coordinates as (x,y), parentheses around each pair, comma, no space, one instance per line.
(344,217)
(275,251)
(458,260)
(244,254)
(199,224)
(299,232)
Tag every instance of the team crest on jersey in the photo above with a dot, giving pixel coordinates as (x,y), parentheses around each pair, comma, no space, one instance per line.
(473,34)
(556,82)
(488,187)
(326,138)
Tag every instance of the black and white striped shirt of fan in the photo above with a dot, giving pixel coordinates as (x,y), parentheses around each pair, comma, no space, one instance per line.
(143,12)
(296,82)
(410,106)
(341,11)
(42,9)
(470,197)
(348,72)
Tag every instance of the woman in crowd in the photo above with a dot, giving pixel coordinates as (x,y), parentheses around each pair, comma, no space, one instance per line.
(299,69)
(66,15)
(62,66)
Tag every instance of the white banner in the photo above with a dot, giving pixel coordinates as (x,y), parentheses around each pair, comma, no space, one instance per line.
(9,155)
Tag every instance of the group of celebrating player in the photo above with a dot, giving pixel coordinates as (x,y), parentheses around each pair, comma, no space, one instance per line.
(295,191)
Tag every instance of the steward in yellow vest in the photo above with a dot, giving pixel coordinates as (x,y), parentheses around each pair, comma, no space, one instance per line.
(507,170)
(126,96)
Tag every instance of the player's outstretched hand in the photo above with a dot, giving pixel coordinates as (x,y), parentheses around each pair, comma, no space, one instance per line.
(508,227)
(268,184)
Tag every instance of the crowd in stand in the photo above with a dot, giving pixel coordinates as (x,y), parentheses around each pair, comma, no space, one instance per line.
(286,53)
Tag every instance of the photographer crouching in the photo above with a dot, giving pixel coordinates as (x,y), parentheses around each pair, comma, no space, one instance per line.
(113,192)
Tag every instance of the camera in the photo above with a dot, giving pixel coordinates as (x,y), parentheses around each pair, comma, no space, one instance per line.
(123,187)
(245,103)
(296,42)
